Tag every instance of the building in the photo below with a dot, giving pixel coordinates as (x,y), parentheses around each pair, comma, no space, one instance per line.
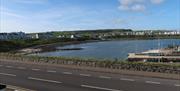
(3,36)
(72,37)
(13,35)
(47,35)
(32,36)
(172,33)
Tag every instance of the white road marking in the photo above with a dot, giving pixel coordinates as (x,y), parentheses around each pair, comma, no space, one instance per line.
(51,71)
(35,69)
(9,66)
(126,79)
(68,73)
(105,77)
(45,80)
(100,88)
(85,75)
(177,85)
(152,82)
(6,74)
(21,67)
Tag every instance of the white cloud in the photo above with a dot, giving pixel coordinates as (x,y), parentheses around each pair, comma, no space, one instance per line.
(7,12)
(157,1)
(124,7)
(30,1)
(137,5)
(12,14)
(44,20)
(129,2)
(132,5)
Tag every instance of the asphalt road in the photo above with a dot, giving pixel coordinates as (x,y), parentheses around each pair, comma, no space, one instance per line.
(49,78)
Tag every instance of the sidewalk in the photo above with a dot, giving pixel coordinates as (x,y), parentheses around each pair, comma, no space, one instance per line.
(14,88)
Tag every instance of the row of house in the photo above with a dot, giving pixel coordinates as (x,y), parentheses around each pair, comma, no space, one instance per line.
(48,35)
(148,33)
(170,33)
(13,35)
(22,35)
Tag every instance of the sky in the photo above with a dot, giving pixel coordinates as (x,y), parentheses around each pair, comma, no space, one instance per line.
(65,15)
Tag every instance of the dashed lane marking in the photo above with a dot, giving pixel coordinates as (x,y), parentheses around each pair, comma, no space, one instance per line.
(100,88)
(126,79)
(68,73)
(51,71)
(9,66)
(177,85)
(7,74)
(45,80)
(152,82)
(105,77)
(21,67)
(85,75)
(35,69)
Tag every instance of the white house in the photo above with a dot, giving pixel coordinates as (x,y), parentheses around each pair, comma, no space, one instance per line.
(72,36)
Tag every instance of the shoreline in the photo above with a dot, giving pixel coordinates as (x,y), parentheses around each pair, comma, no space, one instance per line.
(54,46)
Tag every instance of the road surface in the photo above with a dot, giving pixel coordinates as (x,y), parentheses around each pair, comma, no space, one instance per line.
(50,78)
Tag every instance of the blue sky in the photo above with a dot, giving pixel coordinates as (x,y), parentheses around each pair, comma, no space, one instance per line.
(65,15)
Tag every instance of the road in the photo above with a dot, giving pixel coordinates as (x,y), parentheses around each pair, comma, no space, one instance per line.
(50,78)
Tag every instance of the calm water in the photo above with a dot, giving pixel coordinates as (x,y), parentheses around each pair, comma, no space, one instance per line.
(113,49)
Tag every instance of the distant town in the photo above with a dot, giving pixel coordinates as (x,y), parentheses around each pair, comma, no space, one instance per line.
(91,34)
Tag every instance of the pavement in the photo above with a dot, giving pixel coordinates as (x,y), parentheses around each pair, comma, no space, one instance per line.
(52,78)
(12,88)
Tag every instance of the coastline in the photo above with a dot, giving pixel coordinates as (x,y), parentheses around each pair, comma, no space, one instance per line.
(53,46)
